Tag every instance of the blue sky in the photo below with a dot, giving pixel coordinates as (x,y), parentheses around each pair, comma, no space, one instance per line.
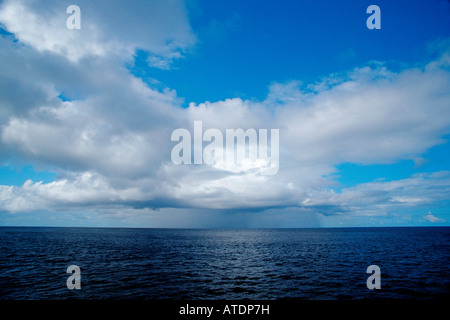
(244,46)
(86,115)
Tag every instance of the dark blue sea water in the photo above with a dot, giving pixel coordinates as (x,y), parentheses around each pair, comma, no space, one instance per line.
(224,264)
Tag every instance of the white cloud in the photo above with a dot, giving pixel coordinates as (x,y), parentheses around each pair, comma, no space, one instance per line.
(106,28)
(431,218)
(381,197)
(374,117)
(110,144)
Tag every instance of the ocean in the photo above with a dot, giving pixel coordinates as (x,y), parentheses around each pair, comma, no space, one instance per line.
(232,264)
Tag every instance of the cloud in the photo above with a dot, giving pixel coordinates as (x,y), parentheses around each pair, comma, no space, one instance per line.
(382,197)
(109,140)
(105,27)
(431,218)
(371,116)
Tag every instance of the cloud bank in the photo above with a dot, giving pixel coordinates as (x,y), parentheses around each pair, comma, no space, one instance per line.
(69,104)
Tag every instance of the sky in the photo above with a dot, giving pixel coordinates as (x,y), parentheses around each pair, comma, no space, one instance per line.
(86,115)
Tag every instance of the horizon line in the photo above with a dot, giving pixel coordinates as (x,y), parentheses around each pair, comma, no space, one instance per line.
(230,228)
